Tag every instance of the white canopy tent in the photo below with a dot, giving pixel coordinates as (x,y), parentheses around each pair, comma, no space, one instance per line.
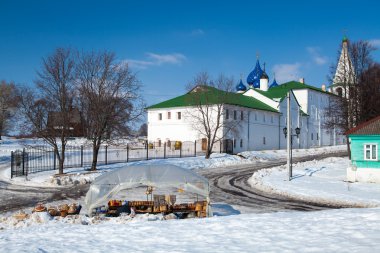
(109,184)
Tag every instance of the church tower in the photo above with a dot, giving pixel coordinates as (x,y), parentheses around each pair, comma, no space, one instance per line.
(344,75)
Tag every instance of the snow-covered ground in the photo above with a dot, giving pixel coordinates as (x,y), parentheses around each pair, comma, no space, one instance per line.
(348,230)
(344,230)
(323,181)
(81,176)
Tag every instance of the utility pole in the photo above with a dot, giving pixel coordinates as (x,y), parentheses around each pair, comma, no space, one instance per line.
(288,146)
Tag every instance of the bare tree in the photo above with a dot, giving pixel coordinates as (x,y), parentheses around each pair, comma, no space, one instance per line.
(143,130)
(208,100)
(8,104)
(109,98)
(48,110)
(369,93)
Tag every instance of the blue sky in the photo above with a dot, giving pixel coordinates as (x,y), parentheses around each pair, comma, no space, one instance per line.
(168,42)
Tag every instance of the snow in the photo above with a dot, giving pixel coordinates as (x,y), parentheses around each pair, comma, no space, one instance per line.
(340,230)
(82,176)
(323,181)
(348,230)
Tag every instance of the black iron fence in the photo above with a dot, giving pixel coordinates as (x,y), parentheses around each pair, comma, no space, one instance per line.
(43,158)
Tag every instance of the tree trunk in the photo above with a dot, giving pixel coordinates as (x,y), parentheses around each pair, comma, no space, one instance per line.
(61,160)
(348,148)
(95,153)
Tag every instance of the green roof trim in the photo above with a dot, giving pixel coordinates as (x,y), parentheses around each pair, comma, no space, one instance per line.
(211,95)
(281,90)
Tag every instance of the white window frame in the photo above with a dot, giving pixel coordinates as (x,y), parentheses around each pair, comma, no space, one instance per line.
(370,151)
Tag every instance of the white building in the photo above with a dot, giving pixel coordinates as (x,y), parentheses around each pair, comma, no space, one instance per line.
(260,111)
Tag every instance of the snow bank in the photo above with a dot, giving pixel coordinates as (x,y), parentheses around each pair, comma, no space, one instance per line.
(318,181)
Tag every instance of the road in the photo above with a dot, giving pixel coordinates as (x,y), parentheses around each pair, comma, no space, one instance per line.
(228,185)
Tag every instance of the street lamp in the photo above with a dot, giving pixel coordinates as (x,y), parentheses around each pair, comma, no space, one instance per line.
(285,131)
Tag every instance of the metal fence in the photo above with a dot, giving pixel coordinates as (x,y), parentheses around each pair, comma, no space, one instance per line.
(43,158)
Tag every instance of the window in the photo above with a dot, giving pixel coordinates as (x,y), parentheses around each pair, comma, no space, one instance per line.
(234,143)
(227,114)
(235,116)
(264,141)
(241,115)
(256,116)
(264,117)
(271,119)
(241,143)
(370,152)
(179,115)
(312,136)
(160,116)
(169,115)
(317,136)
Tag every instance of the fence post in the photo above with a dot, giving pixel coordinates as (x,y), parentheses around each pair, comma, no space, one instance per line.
(81,156)
(180,150)
(106,154)
(147,151)
(220,146)
(195,148)
(164,150)
(55,159)
(23,161)
(12,163)
(127,152)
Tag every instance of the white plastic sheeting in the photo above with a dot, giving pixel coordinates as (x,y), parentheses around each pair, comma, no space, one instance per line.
(109,184)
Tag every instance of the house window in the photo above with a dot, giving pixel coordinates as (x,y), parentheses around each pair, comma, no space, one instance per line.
(241,143)
(370,152)
(160,116)
(235,116)
(169,115)
(317,136)
(264,141)
(234,143)
(241,115)
(227,114)
(179,115)
(312,137)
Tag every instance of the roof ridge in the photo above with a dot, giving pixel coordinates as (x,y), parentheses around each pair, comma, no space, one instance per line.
(362,125)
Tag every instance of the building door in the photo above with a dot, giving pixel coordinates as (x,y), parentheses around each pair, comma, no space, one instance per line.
(204,144)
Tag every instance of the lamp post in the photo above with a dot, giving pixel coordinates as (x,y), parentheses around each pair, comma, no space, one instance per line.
(290,139)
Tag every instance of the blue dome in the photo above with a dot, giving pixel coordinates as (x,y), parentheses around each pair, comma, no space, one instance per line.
(254,77)
(241,86)
(274,84)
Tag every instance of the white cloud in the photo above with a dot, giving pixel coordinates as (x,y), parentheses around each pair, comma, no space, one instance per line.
(287,72)
(154,59)
(375,42)
(315,54)
(197,32)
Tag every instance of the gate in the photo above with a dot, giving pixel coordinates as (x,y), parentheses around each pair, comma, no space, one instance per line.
(19,163)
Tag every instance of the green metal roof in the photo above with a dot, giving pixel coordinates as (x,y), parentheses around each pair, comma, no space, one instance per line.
(211,95)
(281,90)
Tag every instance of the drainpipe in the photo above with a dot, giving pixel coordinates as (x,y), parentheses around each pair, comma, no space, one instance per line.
(248,143)
(279,130)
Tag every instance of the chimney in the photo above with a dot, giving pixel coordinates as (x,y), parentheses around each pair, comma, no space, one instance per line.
(323,87)
(302,80)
